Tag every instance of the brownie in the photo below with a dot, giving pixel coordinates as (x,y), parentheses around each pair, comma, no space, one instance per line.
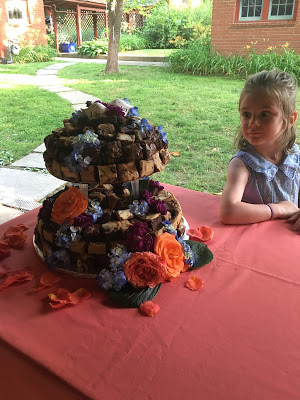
(132,152)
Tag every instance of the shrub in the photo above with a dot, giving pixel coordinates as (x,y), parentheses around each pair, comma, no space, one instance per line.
(39,53)
(170,27)
(93,48)
(134,41)
(200,59)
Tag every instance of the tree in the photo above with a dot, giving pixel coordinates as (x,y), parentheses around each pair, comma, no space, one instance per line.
(115,12)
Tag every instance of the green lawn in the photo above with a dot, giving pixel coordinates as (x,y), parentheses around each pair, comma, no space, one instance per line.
(198,113)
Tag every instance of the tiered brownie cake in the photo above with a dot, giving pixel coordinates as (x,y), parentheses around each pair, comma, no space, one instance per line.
(108,152)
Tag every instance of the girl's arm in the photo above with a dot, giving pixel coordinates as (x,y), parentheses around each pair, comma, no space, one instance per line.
(234,211)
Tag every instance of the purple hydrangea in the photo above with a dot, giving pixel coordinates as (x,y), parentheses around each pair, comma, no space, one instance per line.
(83,220)
(155,184)
(139,237)
(46,210)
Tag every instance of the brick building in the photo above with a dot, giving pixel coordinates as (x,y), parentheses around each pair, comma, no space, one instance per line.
(270,23)
(23,20)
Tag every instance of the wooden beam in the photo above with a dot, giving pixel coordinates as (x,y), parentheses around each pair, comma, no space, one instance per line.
(78,25)
(55,27)
(95,26)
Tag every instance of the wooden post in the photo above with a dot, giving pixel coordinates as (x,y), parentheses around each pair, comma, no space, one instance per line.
(78,25)
(106,23)
(95,25)
(55,27)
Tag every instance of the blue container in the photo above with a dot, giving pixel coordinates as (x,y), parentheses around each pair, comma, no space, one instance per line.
(68,47)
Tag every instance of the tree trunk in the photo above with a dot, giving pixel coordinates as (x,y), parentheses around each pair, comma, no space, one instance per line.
(115,12)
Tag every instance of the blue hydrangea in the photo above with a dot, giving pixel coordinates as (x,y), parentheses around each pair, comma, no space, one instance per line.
(89,138)
(95,210)
(113,278)
(133,112)
(145,126)
(163,134)
(169,228)
(188,253)
(59,258)
(76,115)
(139,207)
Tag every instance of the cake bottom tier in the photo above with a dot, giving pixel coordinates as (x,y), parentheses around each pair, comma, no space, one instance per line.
(111,221)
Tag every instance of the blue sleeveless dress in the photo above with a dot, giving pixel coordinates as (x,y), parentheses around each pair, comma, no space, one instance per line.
(269,183)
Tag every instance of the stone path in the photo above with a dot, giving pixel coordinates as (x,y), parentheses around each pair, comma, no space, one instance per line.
(26,182)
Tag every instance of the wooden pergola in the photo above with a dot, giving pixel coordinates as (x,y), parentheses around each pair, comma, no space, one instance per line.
(76,6)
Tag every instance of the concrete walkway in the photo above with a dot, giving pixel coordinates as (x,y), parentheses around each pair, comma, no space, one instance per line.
(26,182)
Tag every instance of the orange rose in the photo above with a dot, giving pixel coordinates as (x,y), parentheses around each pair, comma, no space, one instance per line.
(144,269)
(171,251)
(68,206)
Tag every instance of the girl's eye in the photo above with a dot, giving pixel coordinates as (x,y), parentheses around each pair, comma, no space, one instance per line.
(265,114)
(246,115)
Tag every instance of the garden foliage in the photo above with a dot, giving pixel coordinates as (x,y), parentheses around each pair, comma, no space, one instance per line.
(39,53)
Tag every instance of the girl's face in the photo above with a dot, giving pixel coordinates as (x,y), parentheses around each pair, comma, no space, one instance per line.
(262,120)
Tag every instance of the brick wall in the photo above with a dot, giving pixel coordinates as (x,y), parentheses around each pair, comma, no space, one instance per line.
(30,31)
(228,35)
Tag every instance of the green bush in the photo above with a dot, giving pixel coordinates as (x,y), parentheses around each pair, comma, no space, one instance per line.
(171,27)
(39,53)
(199,59)
(93,48)
(134,41)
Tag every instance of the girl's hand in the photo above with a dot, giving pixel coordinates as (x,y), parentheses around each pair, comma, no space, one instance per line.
(296,219)
(284,209)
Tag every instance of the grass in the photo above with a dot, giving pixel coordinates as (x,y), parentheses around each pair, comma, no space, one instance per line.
(30,115)
(26,69)
(149,52)
(199,114)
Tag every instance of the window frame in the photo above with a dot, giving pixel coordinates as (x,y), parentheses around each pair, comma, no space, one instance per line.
(280,17)
(250,18)
(265,15)
(20,5)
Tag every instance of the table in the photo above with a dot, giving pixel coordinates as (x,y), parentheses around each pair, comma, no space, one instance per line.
(237,338)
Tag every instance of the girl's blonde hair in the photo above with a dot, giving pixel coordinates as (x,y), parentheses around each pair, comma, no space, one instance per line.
(284,87)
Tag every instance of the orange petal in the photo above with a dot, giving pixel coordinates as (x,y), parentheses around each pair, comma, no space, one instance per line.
(4,249)
(47,280)
(207,233)
(149,308)
(194,283)
(62,297)
(194,234)
(79,295)
(175,153)
(186,267)
(21,275)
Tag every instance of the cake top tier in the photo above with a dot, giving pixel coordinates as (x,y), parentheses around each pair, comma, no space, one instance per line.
(106,143)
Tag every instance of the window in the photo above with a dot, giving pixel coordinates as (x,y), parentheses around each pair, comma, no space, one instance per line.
(251,9)
(16,11)
(281,9)
(265,10)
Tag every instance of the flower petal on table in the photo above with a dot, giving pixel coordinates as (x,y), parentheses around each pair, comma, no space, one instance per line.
(4,270)
(48,279)
(194,283)
(202,234)
(194,234)
(4,249)
(15,236)
(22,275)
(62,297)
(149,308)
(207,233)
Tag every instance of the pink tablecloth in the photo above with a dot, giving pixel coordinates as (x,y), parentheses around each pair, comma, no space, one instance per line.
(237,338)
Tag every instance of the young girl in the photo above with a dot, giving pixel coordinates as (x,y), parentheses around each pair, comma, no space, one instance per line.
(263,177)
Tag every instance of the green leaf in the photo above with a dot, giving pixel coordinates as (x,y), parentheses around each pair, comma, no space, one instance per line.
(201,252)
(134,298)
